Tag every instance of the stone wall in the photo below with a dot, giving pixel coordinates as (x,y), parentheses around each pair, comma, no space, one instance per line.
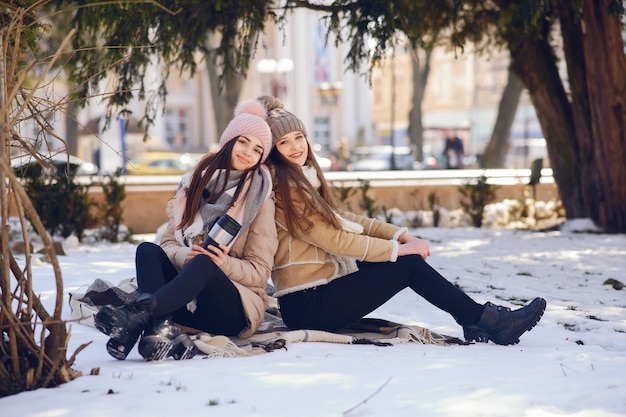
(144,206)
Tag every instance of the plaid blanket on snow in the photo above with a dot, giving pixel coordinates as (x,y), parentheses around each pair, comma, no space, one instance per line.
(272,335)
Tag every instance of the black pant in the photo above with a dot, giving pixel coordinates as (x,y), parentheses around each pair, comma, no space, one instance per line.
(347,299)
(218,304)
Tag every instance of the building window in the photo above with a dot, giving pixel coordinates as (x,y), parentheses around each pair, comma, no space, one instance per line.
(177,128)
(321,131)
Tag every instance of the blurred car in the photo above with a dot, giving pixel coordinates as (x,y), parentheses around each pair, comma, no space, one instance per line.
(379,159)
(160,163)
(326,161)
(431,162)
(60,161)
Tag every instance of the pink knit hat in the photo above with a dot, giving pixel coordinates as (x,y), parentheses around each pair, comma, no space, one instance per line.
(249,119)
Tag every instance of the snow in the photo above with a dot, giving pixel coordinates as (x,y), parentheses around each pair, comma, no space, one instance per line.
(573,363)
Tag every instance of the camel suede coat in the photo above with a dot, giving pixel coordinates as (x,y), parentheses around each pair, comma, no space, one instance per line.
(306,263)
(248,263)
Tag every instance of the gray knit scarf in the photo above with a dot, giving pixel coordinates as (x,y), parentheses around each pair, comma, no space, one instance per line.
(244,210)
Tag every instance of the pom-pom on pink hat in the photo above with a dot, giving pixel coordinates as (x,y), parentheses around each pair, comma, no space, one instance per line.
(249,119)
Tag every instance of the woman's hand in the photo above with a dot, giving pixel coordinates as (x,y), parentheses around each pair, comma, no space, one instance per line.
(406,237)
(414,246)
(217,255)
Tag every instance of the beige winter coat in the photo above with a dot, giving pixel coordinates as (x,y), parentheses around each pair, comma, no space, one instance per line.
(318,258)
(248,265)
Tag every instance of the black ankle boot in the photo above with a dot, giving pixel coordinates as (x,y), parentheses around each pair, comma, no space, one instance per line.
(163,339)
(503,326)
(125,324)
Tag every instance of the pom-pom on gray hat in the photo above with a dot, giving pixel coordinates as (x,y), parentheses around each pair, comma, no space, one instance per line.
(280,120)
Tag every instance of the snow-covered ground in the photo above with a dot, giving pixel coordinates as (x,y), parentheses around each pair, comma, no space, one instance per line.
(572,364)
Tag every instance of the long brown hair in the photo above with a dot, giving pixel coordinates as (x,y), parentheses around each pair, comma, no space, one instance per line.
(202,173)
(290,181)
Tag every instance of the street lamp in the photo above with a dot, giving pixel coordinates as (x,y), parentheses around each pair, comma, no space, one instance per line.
(277,87)
(330,93)
(392,138)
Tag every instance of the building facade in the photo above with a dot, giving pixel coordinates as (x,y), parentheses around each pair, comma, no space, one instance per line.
(462,94)
(341,108)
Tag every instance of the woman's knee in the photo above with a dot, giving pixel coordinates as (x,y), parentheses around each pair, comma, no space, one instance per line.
(202,262)
(203,267)
(148,249)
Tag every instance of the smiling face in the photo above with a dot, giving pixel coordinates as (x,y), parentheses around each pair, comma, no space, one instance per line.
(246,153)
(294,147)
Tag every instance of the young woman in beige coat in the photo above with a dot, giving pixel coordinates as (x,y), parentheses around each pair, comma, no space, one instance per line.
(215,289)
(332,267)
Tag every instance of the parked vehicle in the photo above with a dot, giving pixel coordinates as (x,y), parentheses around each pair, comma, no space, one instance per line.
(378,158)
(58,161)
(326,161)
(161,163)
(431,162)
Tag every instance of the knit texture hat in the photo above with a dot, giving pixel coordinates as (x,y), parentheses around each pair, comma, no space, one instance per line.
(280,120)
(249,120)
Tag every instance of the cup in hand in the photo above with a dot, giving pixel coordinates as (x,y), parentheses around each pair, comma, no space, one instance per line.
(223,231)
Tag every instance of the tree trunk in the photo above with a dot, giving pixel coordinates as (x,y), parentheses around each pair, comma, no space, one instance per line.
(225,83)
(586,137)
(534,63)
(225,94)
(498,146)
(603,53)
(420,77)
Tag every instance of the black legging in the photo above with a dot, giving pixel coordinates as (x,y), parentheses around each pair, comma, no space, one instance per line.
(347,299)
(218,304)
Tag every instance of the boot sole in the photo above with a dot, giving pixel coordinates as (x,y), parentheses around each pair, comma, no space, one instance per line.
(156,348)
(108,322)
(118,350)
(478,335)
(121,343)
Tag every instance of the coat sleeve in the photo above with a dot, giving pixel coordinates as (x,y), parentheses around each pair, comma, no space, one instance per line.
(174,250)
(339,242)
(375,227)
(251,261)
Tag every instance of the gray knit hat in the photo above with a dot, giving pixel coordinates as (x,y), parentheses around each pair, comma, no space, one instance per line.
(280,120)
